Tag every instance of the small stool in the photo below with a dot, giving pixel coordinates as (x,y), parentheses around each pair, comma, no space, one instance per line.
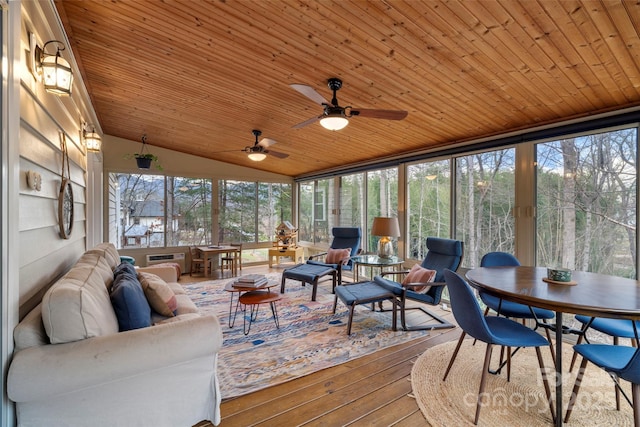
(364,293)
(309,273)
(254,299)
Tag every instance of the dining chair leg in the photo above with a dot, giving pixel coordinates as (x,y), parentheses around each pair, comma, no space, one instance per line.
(483,381)
(553,352)
(508,364)
(545,381)
(616,341)
(575,355)
(576,388)
(635,392)
(453,356)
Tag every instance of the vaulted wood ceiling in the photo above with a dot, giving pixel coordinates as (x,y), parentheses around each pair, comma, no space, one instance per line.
(197,76)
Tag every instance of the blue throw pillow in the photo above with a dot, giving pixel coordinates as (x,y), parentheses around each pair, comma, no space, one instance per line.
(124,267)
(129,303)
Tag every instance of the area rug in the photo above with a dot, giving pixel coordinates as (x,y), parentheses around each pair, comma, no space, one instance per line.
(310,337)
(520,402)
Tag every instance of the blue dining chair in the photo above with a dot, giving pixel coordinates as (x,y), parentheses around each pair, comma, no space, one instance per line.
(510,309)
(492,330)
(620,362)
(616,328)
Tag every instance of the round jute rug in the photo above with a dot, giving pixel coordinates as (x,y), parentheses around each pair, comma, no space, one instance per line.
(520,402)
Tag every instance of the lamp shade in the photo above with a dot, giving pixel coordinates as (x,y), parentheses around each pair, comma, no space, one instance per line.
(385,226)
(257,156)
(334,122)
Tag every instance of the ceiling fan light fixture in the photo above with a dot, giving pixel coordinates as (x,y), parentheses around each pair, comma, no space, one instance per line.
(257,156)
(334,122)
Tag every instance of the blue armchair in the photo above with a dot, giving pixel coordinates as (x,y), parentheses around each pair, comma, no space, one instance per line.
(343,237)
(442,254)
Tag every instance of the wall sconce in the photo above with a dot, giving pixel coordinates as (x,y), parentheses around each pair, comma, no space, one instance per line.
(92,140)
(55,70)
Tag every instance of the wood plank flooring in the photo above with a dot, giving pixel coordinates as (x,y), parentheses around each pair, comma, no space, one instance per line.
(369,391)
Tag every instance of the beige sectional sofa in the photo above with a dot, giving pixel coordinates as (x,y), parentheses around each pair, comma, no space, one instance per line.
(72,366)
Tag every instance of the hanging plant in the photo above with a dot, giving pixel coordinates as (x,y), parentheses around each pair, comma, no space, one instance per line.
(144,160)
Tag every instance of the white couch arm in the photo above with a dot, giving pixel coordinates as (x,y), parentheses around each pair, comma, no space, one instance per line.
(39,372)
(168,274)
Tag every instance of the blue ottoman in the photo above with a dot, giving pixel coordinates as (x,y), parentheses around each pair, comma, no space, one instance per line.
(364,293)
(309,273)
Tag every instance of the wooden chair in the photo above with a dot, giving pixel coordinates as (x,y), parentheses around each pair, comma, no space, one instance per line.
(197,261)
(232,260)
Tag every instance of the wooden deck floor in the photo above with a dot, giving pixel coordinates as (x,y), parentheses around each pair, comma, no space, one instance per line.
(371,390)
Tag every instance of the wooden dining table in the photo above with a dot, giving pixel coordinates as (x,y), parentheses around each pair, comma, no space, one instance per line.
(593,294)
(208,252)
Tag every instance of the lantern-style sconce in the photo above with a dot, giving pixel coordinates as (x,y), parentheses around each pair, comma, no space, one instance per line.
(55,70)
(92,140)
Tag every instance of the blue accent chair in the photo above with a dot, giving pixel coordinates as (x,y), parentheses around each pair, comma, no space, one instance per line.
(492,330)
(617,328)
(343,237)
(512,310)
(620,362)
(442,254)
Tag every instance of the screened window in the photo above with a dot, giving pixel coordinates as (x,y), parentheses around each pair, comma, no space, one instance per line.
(586,203)
(188,211)
(137,213)
(428,204)
(485,196)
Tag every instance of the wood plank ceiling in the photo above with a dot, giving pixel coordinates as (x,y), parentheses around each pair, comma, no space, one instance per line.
(197,76)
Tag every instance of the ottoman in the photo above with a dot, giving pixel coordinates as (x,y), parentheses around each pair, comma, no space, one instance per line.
(309,273)
(364,293)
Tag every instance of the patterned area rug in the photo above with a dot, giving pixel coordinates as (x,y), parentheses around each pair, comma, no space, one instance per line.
(310,337)
(520,402)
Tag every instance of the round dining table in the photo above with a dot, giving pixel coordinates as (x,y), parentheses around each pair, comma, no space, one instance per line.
(590,294)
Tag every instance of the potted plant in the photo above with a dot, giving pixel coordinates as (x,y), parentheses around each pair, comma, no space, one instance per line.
(143,159)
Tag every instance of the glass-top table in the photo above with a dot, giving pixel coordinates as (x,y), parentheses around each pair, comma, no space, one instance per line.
(373,261)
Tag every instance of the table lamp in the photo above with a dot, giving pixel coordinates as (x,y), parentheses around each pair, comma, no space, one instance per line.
(385,228)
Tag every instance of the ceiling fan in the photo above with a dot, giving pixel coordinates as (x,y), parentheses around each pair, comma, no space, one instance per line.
(336,117)
(258,151)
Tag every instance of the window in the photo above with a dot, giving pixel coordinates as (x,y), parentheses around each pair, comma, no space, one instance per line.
(137,210)
(316,204)
(352,200)
(586,203)
(158,211)
(188,211)
(428,202)
(485,196)
(382,200)
(250,212)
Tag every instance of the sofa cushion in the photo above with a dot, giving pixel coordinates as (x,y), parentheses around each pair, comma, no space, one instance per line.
(77,306)
(159,295)
(109,252)
(98,261)
(130,304)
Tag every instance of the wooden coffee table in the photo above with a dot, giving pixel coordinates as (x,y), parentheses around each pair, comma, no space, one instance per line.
(233,288)
(254,299)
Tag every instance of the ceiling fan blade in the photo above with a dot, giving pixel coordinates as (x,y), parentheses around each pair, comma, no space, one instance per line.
(267,142)
(310,93)
(380,114)
(276,154)
(307,122)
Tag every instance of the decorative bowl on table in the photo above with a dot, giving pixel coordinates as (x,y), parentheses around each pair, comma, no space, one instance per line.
(559,274)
